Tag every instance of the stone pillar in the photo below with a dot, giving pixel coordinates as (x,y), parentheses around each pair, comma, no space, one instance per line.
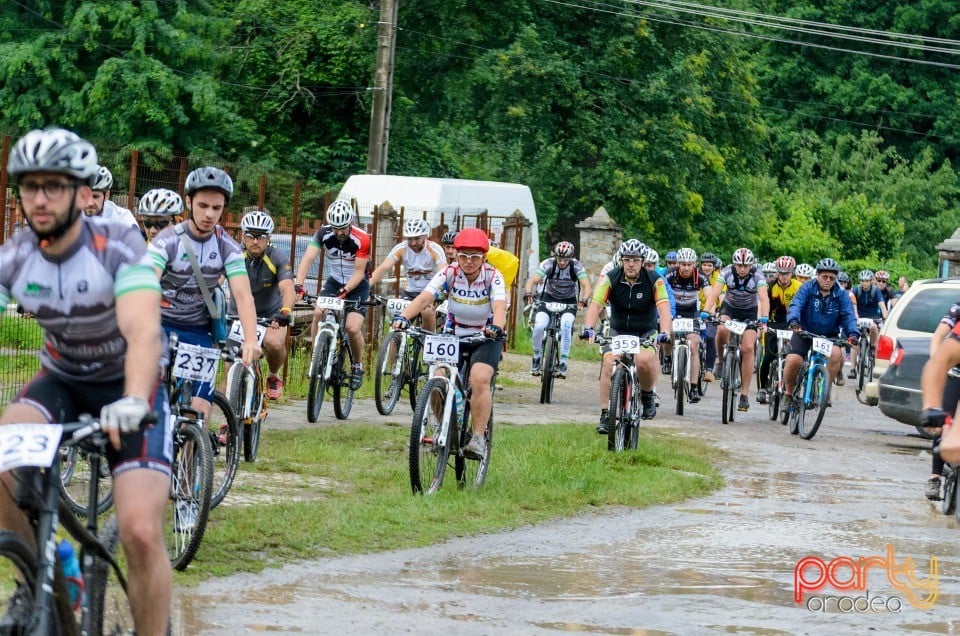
(949,256)
(387,221)
(600,236)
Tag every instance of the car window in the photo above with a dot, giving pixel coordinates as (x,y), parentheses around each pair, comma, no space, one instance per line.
(924,311)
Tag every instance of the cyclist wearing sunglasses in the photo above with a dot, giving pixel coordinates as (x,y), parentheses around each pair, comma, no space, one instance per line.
(159,208)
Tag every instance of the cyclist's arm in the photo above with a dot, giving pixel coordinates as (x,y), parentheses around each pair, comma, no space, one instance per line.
(138,318)
(304,268)
(500,313)
(388,263)
(287,294)
(883,308)
(934,376)
(534,280)
(712,295)
(359,271)
(585,288)
(937,339)
(247,312)
(423,300)
(764,301)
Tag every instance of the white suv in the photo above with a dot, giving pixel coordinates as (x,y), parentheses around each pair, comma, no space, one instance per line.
(916,314)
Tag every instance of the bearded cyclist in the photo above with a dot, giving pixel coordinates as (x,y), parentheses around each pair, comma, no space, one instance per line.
(446,242)
(101,205)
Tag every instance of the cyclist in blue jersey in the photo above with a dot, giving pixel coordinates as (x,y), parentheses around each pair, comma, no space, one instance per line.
(870,304)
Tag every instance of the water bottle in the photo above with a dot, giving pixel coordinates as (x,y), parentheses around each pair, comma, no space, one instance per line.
(71,570)
(458,405)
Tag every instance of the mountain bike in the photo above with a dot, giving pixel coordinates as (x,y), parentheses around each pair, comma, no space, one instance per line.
(550,364)
(41,603)
(246,391)
(76,471)
(399,364)
(680,376)
(441,422)
(331,364)
(865,357)
(191,478)
(775,372)
(625,406)
(730,379)
(811,397)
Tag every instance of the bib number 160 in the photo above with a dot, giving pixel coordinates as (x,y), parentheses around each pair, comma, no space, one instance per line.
(441,348)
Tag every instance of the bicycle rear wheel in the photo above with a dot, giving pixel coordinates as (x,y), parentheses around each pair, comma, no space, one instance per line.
(680,373)
(472,472)
(949,502)
(109,604)
(774,391)
(808,425)
(389,377)
(619,411)
(75,467)
(225,453)
(185,519)
(549,368)
(428,453)
(318,384)
(342,372)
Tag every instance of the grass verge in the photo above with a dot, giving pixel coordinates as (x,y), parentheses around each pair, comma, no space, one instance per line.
(345,489)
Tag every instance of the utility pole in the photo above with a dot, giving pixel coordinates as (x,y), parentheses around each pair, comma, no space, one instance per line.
(382,89)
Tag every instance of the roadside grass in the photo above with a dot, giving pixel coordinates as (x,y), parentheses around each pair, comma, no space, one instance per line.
(345,489)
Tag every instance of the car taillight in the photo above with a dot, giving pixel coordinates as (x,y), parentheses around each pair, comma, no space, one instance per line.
(897,357)
(884,347)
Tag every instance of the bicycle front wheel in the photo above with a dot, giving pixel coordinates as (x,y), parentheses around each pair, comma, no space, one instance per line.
(774,391)
(185,519)
(619,411)
(75,474)
(419,372)
(728,384)
(318,384)
(225,443)
(428,452)
(472,472)
(680,372)
(109,604)
(820,385)
(549,368)
(342,376)
(948,503)
(388,380)
(21,577)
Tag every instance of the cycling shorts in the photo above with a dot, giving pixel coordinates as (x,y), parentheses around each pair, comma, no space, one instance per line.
(487,352)
(63,400)
(331,287)
(734,313)
(800,345)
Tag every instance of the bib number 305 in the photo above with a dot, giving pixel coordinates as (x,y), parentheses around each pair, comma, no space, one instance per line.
(441,348)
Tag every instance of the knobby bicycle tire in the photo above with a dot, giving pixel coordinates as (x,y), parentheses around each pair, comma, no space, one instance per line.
(549,368)
(74,483)
(618,411)
(956,501)
(427,456)
(318,384)
(680,370)
(251,428)
(820,385)
(472,472)
(948,503)
(225,457)
(342,373)
(774,391)
(728,384)
(23,560)
(190,484)
(417,371)
(109,603)
(389,377)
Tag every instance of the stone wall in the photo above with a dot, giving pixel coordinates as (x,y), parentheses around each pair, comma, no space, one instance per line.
(600,236)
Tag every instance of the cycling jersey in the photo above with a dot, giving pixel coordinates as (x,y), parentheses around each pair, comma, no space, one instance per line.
(419,267)
(711,279)
(686,290)
(561,283)
(742,290)
(73,296)
(868,301)
(341,257)
(634,305)
(265,274)
(952,317)
(469,305)
(823,315)
(780,299)
(182,303)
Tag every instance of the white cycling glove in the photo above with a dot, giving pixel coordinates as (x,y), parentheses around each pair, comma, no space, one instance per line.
(124,415)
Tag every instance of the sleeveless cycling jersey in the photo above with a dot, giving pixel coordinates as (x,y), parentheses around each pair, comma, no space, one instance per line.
(868,301)
(182,302)
(340,257)
(73,295)
(780,299)
(265,274)
(419,267)
(742,291)
(686,290)
(634,306)
(561,283)
(469,305)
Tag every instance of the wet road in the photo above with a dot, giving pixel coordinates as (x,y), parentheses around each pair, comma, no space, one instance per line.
(722,564)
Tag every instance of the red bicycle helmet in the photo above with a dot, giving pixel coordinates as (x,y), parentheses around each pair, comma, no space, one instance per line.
(472,238)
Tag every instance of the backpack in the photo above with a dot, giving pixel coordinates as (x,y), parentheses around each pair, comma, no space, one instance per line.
(506,263)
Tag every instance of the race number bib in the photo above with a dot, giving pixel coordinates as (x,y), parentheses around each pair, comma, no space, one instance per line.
(330,302)
(822,345)
(397,305)
(236,332)
(784,334)
(683,324)
(625,344)
(555,307)
(441,348)
(28,445)
(735,326)
(196,363)
(865,323)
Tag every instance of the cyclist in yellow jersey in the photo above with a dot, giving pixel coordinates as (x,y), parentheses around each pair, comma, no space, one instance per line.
(708,266)
(781,295)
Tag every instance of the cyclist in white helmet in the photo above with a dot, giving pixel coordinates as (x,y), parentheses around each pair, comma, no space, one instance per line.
(159,208)
(101,205)
(421,259)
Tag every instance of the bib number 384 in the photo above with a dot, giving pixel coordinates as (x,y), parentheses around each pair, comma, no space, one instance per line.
(441,348)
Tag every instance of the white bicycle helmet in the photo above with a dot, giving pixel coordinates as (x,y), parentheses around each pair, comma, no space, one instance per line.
(340,214)
(652,256)
(53,150)
(742,256)
(160,202)
(769,269)
(563,249)
(209,178)
(103,180)
(633,247)
(805,270)
(412,228)
(257,221)
(686,255)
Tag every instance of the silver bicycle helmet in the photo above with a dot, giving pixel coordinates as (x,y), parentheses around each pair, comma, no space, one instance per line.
(828,265)
(103,179)
(412,228)
(805,270)
(686,255)
(866,275)
(339,214)
(53,150)
(633,247)
(160,202)
(257,221)
(563,249)
(651,256)
(742,256)
(209,178)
